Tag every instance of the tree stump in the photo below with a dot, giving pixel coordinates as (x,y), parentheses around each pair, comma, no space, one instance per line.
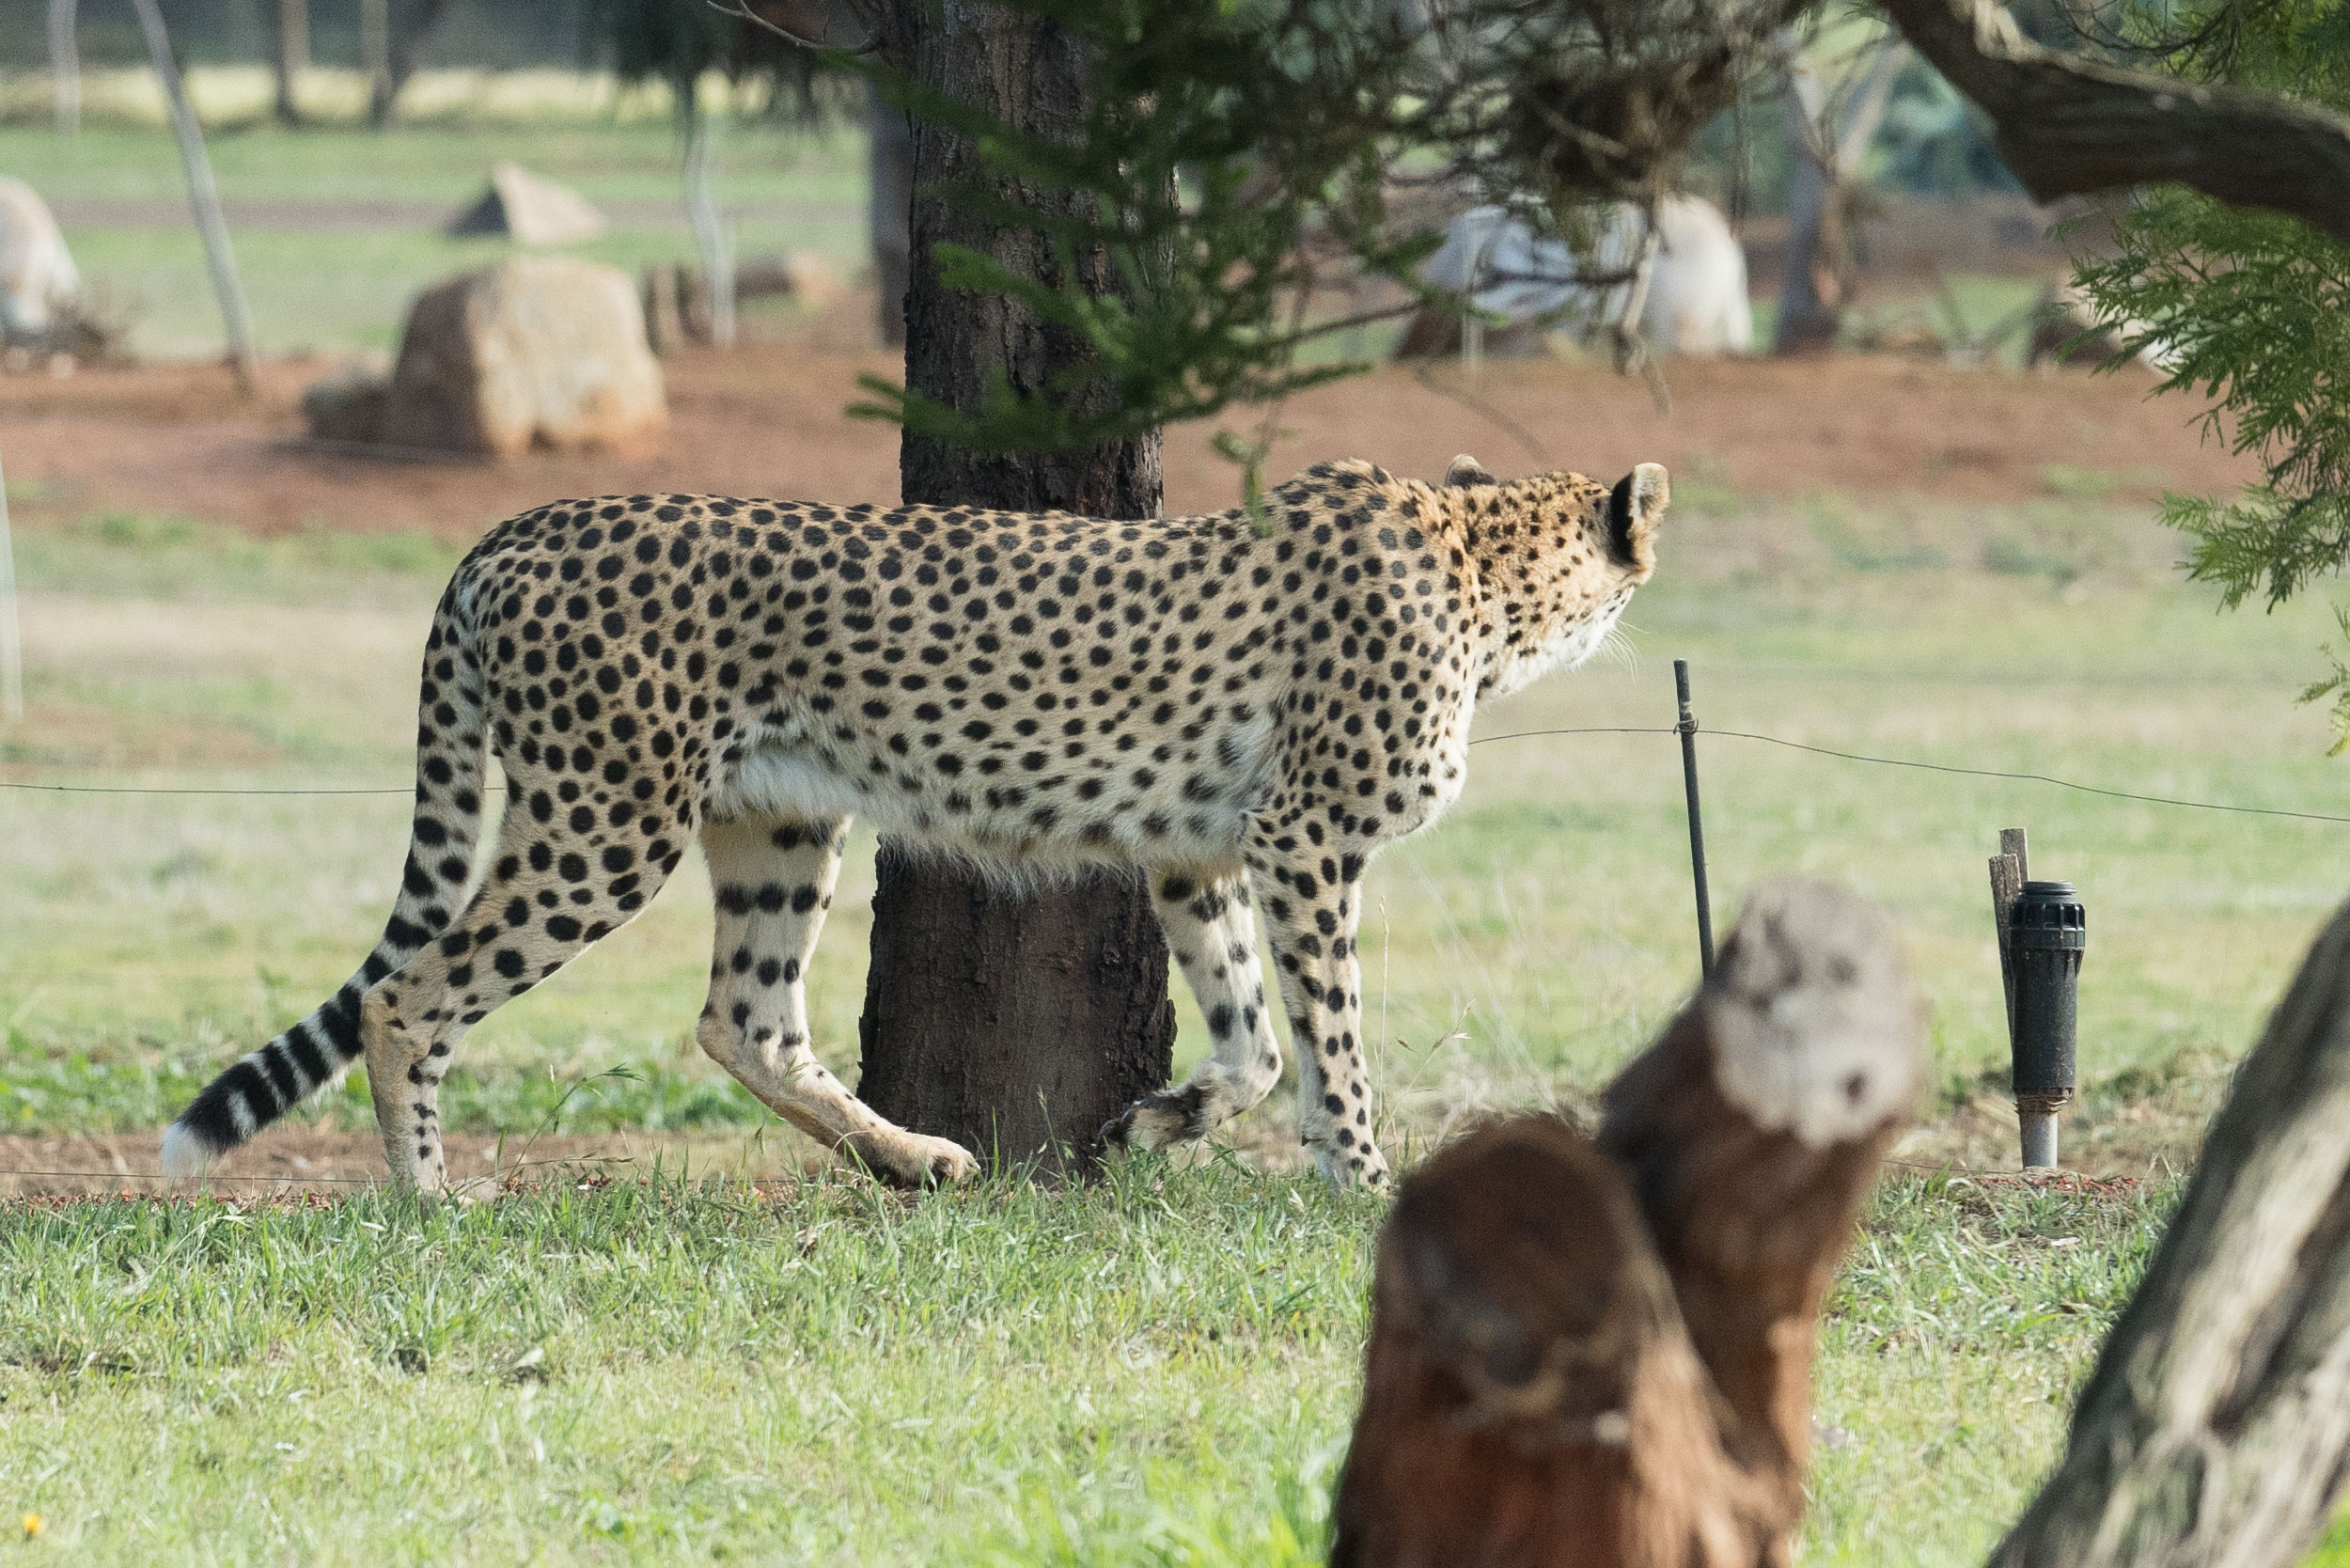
(1598,1351)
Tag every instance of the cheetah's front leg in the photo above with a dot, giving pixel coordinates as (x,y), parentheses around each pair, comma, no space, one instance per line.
(1214,937)
(1313,907)
(773,879)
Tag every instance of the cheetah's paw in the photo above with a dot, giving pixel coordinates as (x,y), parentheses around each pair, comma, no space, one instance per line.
(1361,1169)
(1155,1121)
(913,1160)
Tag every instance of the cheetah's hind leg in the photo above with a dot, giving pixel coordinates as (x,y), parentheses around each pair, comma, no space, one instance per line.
(1212,933)
(551,892)
(772,879)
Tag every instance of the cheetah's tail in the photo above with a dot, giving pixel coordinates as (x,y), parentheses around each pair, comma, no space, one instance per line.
(451,745)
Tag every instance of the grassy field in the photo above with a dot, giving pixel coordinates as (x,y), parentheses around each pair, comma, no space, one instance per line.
(322,276)
(1162,1371)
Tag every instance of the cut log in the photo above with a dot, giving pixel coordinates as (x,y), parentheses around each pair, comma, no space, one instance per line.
(1598,1354)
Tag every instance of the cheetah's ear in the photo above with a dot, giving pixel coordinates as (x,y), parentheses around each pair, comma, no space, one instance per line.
(1466,471)
(1635,508)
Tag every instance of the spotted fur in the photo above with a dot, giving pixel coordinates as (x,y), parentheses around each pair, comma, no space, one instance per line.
(1245,707)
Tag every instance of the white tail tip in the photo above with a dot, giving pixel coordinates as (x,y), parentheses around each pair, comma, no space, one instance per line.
(184,1153)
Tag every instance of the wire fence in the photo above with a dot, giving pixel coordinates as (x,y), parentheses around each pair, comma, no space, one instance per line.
(1482,740)
(295,1180)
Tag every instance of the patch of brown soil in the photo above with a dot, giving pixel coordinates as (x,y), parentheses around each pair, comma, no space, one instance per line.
(766,419)
(61,736)
(306,1160)
(2139,1140)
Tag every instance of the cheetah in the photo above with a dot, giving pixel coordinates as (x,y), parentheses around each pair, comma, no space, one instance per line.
(1244,707)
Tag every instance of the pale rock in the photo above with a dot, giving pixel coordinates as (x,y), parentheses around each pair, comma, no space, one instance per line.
(535,352)
(36,274)
(529,209)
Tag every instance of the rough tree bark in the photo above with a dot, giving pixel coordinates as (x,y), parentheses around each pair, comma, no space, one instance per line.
(2069,126)
(889,213)
(1599,1353)
(2215,1432)
(1016,1026)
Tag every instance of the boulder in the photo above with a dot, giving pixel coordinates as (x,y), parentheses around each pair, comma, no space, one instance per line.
(1697,294)
(538,351)
(347,405)
(36,275)
(521,205)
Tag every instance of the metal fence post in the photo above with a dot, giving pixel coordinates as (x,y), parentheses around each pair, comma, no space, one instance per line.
(1688,728)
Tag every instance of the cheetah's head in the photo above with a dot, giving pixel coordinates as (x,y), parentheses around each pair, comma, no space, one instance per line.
(1557,556)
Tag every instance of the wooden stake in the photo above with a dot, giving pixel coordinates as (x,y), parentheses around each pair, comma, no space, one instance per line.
(2010,870)
(203,196)
(11,648)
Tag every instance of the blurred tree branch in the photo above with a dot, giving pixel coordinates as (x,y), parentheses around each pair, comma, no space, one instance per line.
(2070,125)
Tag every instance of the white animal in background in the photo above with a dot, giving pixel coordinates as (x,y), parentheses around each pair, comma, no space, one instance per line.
(36,273)
(1697,288)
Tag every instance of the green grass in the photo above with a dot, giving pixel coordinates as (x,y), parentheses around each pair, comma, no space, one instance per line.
(1518,951)
(344,288)
(1162,1369)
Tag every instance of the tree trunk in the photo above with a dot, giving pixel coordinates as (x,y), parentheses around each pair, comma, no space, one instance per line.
(203,196)
(375,57)
(1014,1025)
(1810,285)
(1598,1354)
(889,213)
(390,36)
(2215,1432)
(65,69)
(1817,277)
(289,55)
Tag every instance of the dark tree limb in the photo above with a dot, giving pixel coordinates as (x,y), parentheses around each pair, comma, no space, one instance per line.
(2216,1428)
(1599,1353)
(2068,126)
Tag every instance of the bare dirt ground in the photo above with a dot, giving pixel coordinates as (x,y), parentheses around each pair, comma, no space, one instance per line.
(767,420)
(1976,1140)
